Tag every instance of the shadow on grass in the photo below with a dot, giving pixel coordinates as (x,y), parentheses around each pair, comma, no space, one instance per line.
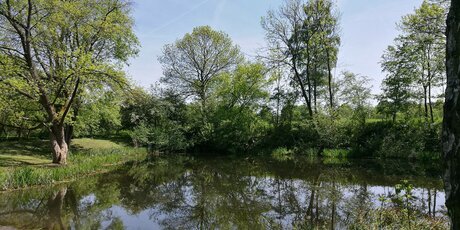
(15,160)
(30,147)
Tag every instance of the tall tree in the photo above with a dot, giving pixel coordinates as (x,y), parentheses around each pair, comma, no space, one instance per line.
(303,36)
(288,43)
(54,48)
(451,123)
(424,31)
(399,65)
(325,40)
(192,64)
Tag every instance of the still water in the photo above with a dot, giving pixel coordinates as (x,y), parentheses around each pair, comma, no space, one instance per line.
(223,192)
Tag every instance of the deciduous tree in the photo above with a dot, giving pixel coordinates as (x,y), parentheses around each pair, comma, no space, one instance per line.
(53,48)
(193,63)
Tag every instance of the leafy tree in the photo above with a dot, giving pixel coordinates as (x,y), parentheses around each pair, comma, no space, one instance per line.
(54,48)
(22,117)
(245,87)
(99,112)
(303,36)
(287,44)
(156,120)
(192,64)
(424,31)
(241,95)
(355,92)
(398,63)
(322,25)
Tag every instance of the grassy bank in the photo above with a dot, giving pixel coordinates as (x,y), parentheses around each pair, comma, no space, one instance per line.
(27,163)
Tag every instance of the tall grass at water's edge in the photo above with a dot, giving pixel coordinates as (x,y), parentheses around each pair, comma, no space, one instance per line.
(80,164)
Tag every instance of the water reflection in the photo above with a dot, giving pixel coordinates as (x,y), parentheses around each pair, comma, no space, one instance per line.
(199,193)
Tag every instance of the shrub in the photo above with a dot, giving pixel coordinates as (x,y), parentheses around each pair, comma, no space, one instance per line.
(336,153)
(282,154)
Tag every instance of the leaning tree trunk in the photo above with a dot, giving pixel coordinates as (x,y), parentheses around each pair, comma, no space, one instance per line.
(451,123)
(59,147)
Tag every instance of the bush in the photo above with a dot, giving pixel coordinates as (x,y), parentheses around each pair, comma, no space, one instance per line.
(417,140)
(336,153)
(282,154)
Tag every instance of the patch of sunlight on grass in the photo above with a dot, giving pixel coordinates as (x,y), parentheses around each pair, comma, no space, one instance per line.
(89,144)
(34,152)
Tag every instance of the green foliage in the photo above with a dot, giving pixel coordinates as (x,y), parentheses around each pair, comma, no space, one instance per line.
(192,64)
(303,37)
(415,64)
(397,85)
(417,140)
(54,50)
(331,132)
(336,153)
(282,154)
(237,127)
(281,151)
(98,113)
(355,92)
(245,87)
(158,122)
(214,101)
(237,130)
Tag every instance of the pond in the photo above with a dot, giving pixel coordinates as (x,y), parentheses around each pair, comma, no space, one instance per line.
(185,192)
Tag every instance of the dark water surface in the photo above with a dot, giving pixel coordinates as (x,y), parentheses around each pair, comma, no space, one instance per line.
(222,192)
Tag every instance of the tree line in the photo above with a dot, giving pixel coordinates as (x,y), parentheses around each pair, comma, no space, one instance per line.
(61,76)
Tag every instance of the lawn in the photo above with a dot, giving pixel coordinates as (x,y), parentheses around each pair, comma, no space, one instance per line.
(37,152)
(28,162)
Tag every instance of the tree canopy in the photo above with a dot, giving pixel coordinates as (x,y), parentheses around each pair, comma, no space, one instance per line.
(53,49)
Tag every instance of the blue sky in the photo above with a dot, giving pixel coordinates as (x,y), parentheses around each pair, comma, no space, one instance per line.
(367,28)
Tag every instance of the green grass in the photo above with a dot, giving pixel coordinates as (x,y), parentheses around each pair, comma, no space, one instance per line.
(24,168)
(87,143)
(30,147)
(7,160)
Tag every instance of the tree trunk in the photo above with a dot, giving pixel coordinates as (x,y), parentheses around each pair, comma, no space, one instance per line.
(315,94)
(59,147)
(69,129)
(307,71)
(304,93)
(331,97)
(203,109)
(430,104)
(451,123)
(425,101)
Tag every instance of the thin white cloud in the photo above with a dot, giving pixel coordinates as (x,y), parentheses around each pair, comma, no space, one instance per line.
(179,17)
(218,12)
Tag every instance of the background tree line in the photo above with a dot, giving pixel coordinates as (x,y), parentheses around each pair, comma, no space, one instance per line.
(61,76)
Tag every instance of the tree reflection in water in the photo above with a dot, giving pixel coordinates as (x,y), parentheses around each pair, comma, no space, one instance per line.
(205,193)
